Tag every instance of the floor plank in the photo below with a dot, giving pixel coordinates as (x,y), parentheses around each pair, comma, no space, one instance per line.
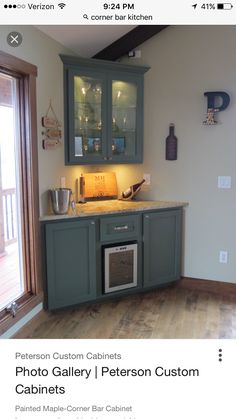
(191,308)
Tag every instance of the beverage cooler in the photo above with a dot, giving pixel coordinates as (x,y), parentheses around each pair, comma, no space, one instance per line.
(120,266)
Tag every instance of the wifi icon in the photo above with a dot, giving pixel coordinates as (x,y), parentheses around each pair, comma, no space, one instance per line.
(61,5)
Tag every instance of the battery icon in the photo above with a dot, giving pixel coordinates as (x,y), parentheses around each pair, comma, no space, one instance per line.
(224,6)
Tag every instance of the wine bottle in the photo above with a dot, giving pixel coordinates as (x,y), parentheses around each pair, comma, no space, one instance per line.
(77,190)
(171,144)
(132,190)
(82,189)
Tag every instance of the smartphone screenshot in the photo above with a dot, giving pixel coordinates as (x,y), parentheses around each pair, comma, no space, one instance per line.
(117,209)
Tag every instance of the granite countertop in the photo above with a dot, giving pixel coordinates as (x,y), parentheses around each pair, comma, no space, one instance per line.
(115,206)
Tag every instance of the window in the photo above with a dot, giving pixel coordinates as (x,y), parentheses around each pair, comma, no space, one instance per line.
(18,189)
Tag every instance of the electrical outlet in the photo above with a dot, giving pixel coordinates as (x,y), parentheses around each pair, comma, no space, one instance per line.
(224,182)
(147,178)
(223,256)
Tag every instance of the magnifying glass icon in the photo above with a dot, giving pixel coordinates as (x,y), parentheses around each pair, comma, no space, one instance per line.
(85,16)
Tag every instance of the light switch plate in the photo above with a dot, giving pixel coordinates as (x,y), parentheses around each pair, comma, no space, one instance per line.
(223,256)
(224,182)
(147,178)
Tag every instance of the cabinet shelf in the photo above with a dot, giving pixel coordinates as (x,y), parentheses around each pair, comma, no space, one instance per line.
(90,103)
(123,108)
(123,131)
(88,129)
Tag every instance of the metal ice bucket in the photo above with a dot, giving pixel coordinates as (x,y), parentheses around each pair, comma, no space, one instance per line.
(60,198)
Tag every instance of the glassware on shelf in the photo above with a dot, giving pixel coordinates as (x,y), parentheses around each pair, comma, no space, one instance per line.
(85,88)
(88,115)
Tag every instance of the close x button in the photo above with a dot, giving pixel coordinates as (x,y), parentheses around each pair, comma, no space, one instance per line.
(14,39)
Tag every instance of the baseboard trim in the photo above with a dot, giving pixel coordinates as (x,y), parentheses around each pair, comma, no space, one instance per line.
(208,285)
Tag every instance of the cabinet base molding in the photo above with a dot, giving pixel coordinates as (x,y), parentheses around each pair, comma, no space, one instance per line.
(208,285)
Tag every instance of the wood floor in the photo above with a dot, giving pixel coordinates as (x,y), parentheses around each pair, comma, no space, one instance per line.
(188,309)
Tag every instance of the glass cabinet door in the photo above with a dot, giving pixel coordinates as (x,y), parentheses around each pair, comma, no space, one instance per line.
(124,120)
(88,122)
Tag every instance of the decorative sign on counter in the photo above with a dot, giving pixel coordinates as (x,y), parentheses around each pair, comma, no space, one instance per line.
(100,185)
(52,133)
(216,102)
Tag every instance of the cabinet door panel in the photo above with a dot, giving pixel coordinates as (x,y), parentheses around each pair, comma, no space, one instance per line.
(125,117)
(86,116)
(71,263)
(162,247)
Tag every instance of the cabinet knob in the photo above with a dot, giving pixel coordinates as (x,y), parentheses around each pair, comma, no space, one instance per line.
(104,158)
(146,216)
(92,222)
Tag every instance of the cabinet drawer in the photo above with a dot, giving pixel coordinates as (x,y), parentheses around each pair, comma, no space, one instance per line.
(116,228)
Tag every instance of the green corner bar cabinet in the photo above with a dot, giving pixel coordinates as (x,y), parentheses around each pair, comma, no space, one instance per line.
(75,250)
(103,111)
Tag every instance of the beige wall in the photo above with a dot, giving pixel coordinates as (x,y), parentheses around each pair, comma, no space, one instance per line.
(185,62)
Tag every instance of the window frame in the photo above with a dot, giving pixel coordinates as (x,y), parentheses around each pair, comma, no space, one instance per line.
(26,74)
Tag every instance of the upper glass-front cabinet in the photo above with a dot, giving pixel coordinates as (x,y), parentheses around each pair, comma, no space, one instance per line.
(103,111)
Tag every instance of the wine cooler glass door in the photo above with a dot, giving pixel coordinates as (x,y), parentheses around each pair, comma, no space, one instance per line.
(120,267)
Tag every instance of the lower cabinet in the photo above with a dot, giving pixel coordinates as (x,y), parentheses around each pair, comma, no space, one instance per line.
(162,247)
(70,263)
(74,257)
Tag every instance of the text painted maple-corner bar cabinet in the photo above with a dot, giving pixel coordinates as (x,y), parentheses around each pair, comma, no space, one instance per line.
(103,111)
